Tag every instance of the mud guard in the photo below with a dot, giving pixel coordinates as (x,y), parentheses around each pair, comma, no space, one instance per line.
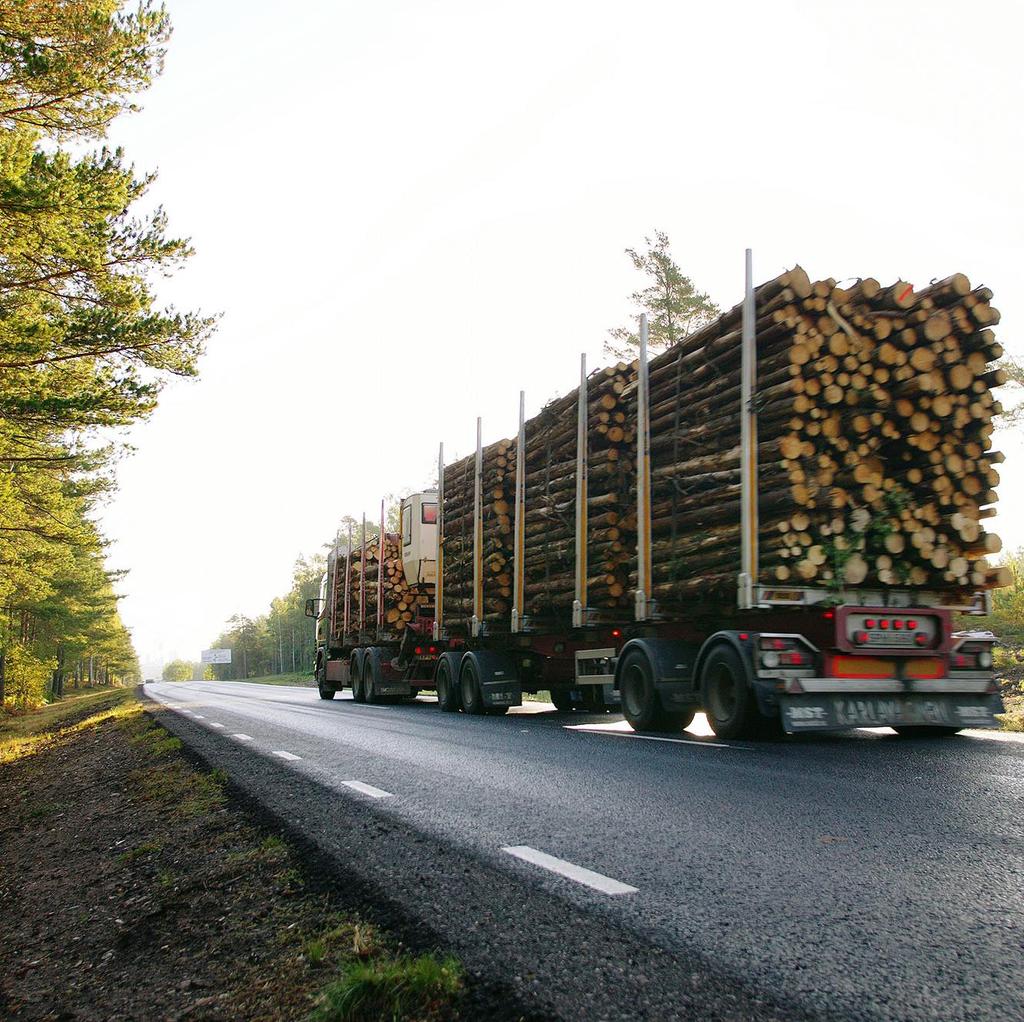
(499,679)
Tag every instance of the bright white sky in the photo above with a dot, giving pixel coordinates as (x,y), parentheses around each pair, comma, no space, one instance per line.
(407,211)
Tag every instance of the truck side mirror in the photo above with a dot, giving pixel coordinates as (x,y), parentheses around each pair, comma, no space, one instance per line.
(311,607)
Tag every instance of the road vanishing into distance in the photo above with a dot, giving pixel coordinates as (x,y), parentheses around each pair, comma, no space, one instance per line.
(602,874)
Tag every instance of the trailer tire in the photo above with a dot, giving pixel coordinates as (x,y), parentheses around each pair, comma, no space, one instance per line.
(444,685)
(925,731)
(469,689)
(369,689)
(562,700)
(729,700)
(356,673)
(641,704)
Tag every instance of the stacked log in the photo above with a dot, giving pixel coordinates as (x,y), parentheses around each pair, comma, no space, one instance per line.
(403,602)
(874,424)
(550,524)
(498,502)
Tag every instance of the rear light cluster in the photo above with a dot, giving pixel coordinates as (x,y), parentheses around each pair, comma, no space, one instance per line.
(861,637)
(420,650)
(780,651)
(971,657)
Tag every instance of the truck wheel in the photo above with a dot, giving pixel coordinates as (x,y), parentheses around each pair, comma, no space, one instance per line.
(369,689)
(924,731)
(641,705)
(356,673)
(321,685)
(729,701)
(447,693)
(469,687)
(562,700)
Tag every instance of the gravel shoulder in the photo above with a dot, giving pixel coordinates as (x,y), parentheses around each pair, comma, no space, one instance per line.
(136,886)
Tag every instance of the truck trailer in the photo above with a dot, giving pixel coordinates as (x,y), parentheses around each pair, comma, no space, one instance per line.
(801,650)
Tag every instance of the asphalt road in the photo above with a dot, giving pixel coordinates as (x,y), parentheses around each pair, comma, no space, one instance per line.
(858,876)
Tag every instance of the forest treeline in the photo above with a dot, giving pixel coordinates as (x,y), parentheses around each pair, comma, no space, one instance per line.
(84,345)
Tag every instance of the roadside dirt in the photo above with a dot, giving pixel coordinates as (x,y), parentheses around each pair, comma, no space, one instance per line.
(131,887)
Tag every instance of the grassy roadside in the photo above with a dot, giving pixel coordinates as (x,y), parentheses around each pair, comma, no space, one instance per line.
(190,909)
(298,678)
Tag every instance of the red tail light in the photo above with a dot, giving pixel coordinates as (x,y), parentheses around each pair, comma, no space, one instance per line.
(418,651)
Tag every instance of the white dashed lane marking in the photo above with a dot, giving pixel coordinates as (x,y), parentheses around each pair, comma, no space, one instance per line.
(198,716)
(587,877)
(214,723)
(286,755)
(367,789)
(243,738)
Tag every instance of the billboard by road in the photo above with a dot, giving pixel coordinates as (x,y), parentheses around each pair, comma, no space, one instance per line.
(215,656)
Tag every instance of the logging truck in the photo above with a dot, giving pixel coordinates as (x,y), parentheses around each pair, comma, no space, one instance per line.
(602,557)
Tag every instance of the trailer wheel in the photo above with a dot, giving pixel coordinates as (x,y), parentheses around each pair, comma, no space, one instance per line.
(356,673)
(641,704)
(729,701)
(447,693)
(925,731)
(469,687)
(369,689)
(562,700)
(325,693)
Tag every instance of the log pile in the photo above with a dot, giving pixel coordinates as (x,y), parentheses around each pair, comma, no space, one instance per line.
(498,501)
(874,425)
(874,417)
(402,601)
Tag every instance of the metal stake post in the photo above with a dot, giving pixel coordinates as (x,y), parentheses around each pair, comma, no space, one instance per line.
(362,581)
(380,574)
(579,606)
(478,535)
(748,447)
(439,559)
(348,583)
(333,595)
(643,484)
(520,519)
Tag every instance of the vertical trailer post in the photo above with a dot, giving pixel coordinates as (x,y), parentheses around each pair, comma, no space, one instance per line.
(362,581)
(748,446)
(520,519)
(348,584)
(643,484)
(579,605)
(380,574)
(478,535)
(333,595)
(439,558)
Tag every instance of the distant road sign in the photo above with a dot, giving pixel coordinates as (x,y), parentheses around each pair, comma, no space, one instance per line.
(216,656)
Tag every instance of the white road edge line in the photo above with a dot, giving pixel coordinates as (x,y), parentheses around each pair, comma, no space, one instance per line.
(285,755)
(213,723)
(243,738)
(651,738)
(587,877)
(367,789)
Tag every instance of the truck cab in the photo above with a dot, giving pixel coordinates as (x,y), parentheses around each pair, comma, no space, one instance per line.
(419,537)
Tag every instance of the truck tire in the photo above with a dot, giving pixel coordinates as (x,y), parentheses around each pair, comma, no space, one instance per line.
(641,704)
(356,674)
(562,700)
(925,731)
(469,688)
(729,700)
(369,689)
(444,684)
(320,675)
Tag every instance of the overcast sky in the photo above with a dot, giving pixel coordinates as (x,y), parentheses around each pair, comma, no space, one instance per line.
(407,211)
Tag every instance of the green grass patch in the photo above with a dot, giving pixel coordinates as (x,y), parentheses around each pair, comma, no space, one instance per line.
(300,679)
(1013,719)
(25,734)
(138,853)
(394,988)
